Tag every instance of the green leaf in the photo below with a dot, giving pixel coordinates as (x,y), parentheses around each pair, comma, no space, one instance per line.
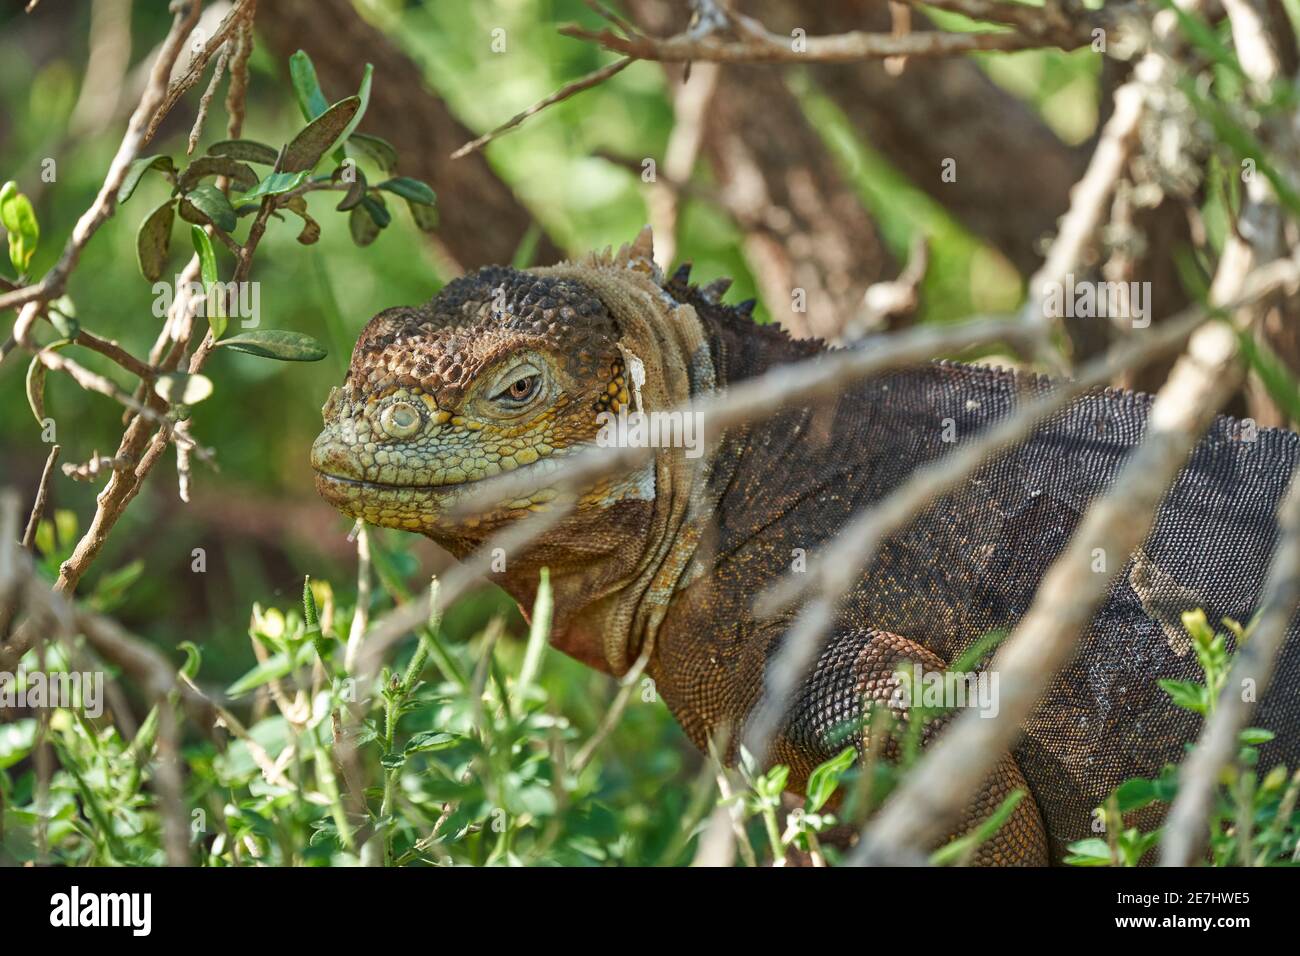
(208,272)
(276,344)
(363,94)
(180,388)
(377,209)
(430,740)
(1090,852)
(35,383)
(154,239)
(960,847)
(19,219)
(426,217)
(207,203)
(274,667)
(241,176)
(826,777)
(410,189)
(1254,736)
(320,136)
(135,172)
(247,150)
(276,183)
(36,389)
(381,151)
(1135,794)
(207,258)
(302,72)
(362,226)
(539,630)
(1187,694)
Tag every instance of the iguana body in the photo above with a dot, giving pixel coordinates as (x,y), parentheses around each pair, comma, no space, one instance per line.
(507,370)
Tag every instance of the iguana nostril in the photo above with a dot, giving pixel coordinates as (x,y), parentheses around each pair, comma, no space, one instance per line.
(400,420)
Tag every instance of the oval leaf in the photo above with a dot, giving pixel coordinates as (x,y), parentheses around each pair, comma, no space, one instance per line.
(363,94)
(179,388)
(246,150)
(19,219)
(380,150)
(374,204)
(410,189)
(36,389)
(241,177)
(154,239)
(277,183)
(276,344)
(320,136)
(426,217)
(207,258)
(207,203)
(302,72)
(135,172)
(362,226)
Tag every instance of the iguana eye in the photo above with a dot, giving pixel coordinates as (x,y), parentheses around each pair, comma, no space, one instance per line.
(520,390)
(400,420)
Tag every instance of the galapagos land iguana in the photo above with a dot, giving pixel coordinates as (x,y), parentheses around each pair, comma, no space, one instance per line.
(508,370)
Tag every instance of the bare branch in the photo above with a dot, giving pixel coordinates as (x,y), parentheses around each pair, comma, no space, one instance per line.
(766,47)
(42,496)
(594,78)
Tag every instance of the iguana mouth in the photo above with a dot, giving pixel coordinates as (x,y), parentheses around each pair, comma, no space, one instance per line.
(541,469)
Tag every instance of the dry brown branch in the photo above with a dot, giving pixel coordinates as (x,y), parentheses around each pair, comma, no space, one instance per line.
(235,19)
(121,356)
(766,47)
(53,283)
(884,304)
(593,78)
(1090,199)
(690,109)
(1048,20)
(1185,832)
(42,497)
(96,465)
(206,100)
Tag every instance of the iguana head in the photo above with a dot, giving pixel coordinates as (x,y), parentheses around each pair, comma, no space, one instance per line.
(503,370)
(506,371)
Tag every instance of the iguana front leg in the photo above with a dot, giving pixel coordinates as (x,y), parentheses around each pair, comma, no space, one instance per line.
(857,667)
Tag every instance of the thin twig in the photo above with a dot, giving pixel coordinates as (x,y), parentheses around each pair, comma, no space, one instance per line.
(42,497)
(563,93)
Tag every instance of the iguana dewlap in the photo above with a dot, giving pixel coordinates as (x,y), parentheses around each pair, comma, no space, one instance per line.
(507,370)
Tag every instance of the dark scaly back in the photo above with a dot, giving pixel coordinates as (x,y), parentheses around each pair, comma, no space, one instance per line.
(971,562)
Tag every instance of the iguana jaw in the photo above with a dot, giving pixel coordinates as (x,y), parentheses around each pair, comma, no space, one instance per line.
(423,507)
